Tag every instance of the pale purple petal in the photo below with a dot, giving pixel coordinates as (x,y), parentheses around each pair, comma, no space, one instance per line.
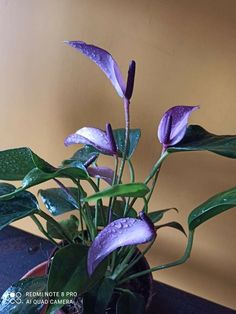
(119,233)
(104,173)
(173,124)
(105,62)
(91,136)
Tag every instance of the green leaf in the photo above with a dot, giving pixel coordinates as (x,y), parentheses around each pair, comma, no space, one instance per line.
(16,163)
(58,201)
(70,227)
(134,136)
(172,224)
(126,190)
(158,214)
(73,276)
(130,303)
(198,139)
(96,300)
(36,176)
(83,155)
(22,205)
(24,303)
(212,207)
(118,212)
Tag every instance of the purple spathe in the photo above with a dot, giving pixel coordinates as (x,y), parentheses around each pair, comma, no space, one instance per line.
(173,125)
(119,233)
(99,139)
(105,62)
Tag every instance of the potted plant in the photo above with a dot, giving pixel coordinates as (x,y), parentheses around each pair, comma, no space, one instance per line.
(97,266)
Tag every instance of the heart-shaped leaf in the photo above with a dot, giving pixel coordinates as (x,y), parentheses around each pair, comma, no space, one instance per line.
(212,207)
(119,233)
(16,163)
(58,201)
(18,298)
(134,136)
(22,205)
(198,139)
(73,276)
(129,190)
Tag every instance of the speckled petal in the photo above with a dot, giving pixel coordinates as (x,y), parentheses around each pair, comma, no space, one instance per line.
(173,124)
(91,136)
(105,62)
(119,233)
(104,173)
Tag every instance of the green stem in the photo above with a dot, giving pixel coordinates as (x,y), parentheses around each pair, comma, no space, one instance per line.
(127,127)
(136,259)
(180,261)
(112,199)
(41,228)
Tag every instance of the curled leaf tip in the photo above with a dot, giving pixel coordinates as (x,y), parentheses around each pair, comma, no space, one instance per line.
(173,125)
(119,233)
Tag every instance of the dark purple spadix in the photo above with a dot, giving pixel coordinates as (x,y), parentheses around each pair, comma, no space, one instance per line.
(119,233)
(103,173)
(173,125)
(105,62)
(101,140)
(130,80)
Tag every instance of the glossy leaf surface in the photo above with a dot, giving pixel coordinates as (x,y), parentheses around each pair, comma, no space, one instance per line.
(22,205)
(16,163)
(134,136)
(198,139)
(24,303)
(212,207)
(58,202)
(129,190)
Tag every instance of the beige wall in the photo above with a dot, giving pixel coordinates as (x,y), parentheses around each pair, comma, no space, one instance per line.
(185,52)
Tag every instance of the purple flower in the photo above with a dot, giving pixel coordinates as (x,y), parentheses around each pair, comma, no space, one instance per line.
(104,173)
(173,125)
(119,233)
(102,140)
(108,65)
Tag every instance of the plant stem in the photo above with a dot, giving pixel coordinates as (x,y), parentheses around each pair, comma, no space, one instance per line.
(127,127)
(41,228)
(136,259)
(112,199)
(168,265)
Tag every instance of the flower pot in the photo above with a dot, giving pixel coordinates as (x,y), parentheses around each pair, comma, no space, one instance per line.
(141,285)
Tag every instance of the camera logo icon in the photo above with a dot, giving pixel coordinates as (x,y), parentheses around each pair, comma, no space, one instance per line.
(14,297)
